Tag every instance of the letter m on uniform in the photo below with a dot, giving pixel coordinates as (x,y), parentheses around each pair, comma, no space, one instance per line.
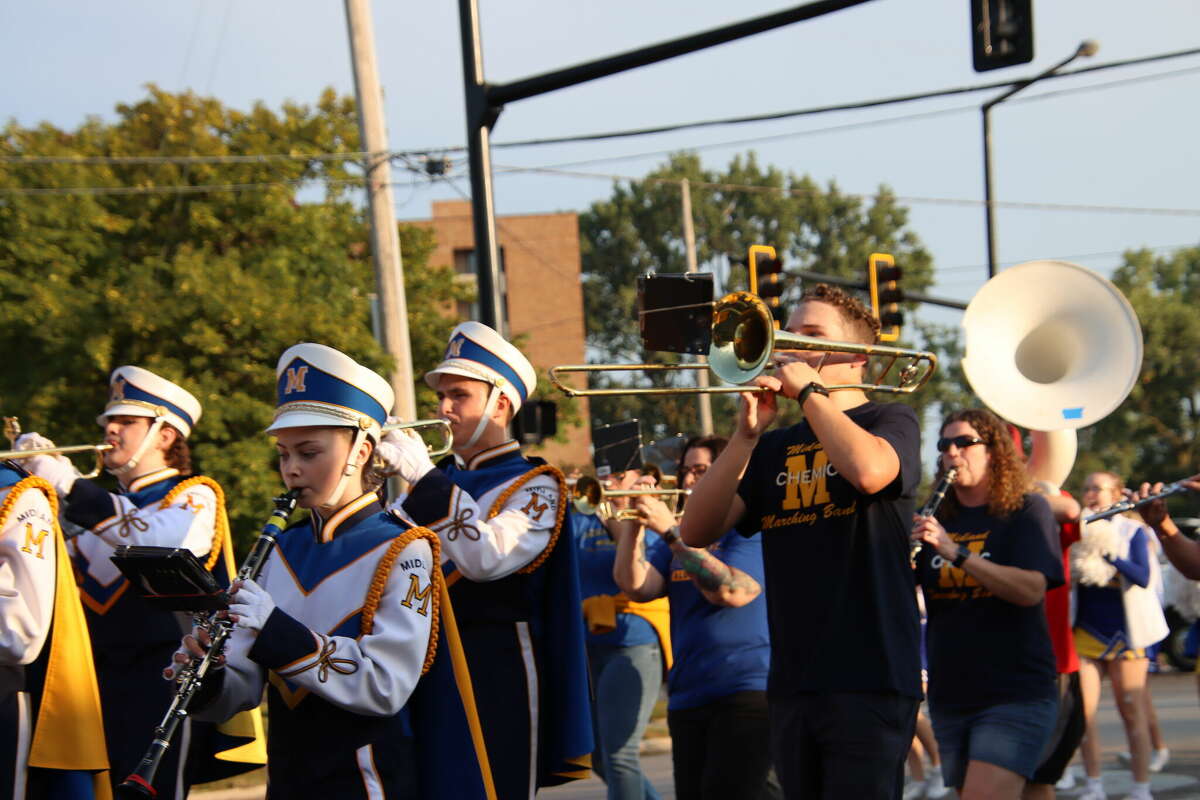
(295,379)
(418,595)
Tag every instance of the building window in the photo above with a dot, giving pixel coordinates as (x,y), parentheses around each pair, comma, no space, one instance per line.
(464,270)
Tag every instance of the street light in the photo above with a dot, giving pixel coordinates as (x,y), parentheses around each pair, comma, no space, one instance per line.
(1087,47)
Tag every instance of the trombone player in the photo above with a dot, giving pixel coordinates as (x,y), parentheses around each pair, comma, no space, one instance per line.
(832,496)
(161,503)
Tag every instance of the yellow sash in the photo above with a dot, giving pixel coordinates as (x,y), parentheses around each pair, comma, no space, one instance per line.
(69,731)
(601,611)
(245,724)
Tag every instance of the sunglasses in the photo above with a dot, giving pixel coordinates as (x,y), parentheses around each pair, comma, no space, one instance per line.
(961,442)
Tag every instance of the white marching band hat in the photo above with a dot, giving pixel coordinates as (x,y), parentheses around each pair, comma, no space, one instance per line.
(137,392)
(476,351)
(317,385)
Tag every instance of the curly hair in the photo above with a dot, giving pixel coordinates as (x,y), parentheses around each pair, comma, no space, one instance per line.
(860,323)
(178,454)
(1008,482)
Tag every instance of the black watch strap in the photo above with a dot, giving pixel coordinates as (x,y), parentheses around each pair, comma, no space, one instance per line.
(961,556)
(813,386)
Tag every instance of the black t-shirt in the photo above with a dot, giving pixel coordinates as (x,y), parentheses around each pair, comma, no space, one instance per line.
(841,602)
(984,650)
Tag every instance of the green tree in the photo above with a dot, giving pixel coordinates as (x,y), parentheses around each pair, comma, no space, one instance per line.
(205,286)
(638,230)
(1155,434)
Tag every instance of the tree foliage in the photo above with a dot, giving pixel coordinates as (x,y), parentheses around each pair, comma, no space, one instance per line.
(639,230)
(1155,434)
(206,287)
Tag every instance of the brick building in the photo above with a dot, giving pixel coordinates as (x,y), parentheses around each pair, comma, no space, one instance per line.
(542,292)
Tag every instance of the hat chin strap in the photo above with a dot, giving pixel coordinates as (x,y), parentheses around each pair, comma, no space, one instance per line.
(485,418)
(132,463)
(348,470)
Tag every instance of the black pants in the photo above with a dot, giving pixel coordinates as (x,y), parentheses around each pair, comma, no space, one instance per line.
(720,750)
(498,673)
(837,745)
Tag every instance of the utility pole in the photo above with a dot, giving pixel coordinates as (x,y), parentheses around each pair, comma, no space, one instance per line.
(689,242)
(385,239)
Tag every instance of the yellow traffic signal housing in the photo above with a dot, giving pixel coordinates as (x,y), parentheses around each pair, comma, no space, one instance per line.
(883,277)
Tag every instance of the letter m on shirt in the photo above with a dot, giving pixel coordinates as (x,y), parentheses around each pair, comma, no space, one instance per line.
(805,481)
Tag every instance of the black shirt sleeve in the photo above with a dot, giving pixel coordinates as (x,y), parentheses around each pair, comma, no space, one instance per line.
(898,426)
(1033,532)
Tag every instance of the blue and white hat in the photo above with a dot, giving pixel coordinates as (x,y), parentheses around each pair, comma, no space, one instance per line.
(317,385)
(476,351)
(137,392)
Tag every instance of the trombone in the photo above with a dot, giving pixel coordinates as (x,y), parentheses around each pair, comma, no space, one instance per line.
(12,429)
(447,443)
(590,497)
(744,345)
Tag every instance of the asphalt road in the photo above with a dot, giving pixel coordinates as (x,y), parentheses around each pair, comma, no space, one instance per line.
(1175,699)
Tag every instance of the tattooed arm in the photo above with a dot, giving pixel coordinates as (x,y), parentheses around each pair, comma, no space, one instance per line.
(721,584)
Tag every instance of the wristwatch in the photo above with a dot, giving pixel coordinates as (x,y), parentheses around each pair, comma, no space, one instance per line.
(813,386)
(671,536)
(961,556)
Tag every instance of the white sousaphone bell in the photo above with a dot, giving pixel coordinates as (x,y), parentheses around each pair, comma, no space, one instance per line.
(1051,346)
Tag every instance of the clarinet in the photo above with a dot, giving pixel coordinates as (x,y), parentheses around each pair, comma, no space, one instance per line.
(140,782)
(1121,506)
(931,506)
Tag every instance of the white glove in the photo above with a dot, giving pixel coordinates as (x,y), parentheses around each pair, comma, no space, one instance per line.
(404,454)
(250,605)
(193,645)
(58,470)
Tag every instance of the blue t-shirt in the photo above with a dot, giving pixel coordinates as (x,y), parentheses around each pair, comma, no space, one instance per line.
(718,650)
(597,552)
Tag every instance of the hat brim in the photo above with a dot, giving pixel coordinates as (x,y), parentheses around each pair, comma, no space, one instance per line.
(308,419)
(431,379)
(130,410)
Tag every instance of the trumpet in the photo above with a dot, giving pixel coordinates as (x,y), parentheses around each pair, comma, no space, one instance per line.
(12,429)
(447,435)
(745,344)
(590,497)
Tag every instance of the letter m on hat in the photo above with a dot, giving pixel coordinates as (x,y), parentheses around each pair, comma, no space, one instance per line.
(295,379)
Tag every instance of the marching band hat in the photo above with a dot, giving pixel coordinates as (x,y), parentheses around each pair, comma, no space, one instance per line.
(317,385)
(137,392)
(476,351)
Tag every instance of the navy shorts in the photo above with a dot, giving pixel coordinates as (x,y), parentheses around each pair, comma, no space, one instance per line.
(1009,735)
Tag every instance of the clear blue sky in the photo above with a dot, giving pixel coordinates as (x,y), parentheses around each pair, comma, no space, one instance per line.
(1129,145)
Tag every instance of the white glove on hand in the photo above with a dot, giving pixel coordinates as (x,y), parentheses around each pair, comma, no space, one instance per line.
(58,470)
(250,605)
(193,645)
(404,454)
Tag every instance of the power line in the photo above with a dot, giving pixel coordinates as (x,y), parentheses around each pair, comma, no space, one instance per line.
(751,188)
(854,106)
(938,271)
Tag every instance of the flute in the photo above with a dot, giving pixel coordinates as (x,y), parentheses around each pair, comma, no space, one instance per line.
(140,782)
(931,506)
(1121,506)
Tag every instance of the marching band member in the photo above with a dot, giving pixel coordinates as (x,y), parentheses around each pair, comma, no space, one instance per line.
(628,646)
(1182,552)
(499,516)
(717,703)
(989,555)
(160,503)
(51,730)
(831,496)
(338,626)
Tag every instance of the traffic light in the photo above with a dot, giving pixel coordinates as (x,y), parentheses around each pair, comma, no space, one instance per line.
(883,277)
(1001,33)
(767,280)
